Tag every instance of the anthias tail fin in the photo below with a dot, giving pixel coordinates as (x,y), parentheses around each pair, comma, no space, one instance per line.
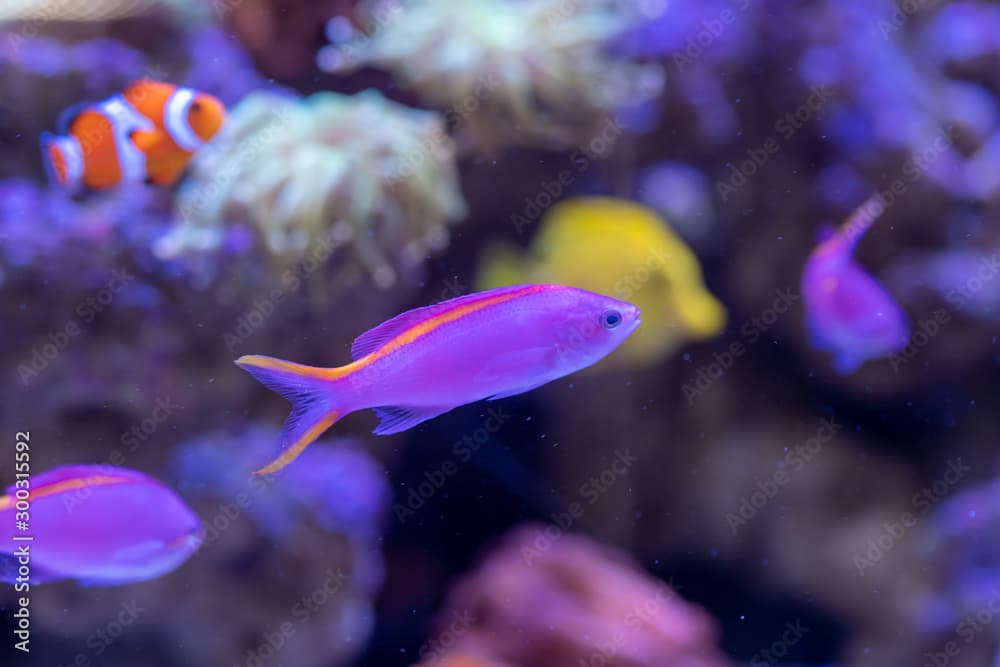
(310,391)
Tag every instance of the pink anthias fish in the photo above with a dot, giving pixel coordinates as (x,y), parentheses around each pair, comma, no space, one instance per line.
(98,524)
(848,312)
(429,360)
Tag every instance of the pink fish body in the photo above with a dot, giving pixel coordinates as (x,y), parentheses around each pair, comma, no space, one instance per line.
(848,312)
(98,524)
(429,360)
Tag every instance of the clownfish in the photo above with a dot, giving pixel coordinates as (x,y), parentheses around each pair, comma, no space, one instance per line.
(147,134)
(185,120)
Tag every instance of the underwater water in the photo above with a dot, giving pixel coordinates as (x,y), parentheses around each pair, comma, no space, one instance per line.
(499,333)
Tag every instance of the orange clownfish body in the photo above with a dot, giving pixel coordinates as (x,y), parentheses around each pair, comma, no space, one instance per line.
(146,134)
(184,120)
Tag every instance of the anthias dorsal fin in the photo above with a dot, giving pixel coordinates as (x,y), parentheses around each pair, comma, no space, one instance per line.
(825,232)
(861,220)
(374,339)
(44,483)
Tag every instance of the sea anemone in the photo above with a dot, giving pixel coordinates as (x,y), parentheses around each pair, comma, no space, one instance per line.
(512,71)
(43,11)
(311,176)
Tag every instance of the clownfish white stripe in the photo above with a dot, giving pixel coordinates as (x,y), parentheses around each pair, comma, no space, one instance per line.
(72,155)
(175,119)
(124,121)
(141,135)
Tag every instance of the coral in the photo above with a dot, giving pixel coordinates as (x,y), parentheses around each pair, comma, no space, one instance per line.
(545,597)
(336,497)
(314,175)
(513,71)
(44,231)
(105,63)
(339,486)
(681,193)
(229,74)
(464,660)
(963,540)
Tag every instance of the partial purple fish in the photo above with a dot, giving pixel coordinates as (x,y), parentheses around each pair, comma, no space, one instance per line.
(848,312)
(97,524)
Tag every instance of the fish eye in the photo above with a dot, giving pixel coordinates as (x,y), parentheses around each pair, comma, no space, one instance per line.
(611,319)
(196,106)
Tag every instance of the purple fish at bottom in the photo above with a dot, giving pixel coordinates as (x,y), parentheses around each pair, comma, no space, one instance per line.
(429,360)
(98,524)
(848,312)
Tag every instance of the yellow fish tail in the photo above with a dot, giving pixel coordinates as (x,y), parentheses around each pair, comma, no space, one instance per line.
(702,314)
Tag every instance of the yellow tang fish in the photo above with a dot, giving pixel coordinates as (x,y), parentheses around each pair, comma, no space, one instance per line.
(616,247)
